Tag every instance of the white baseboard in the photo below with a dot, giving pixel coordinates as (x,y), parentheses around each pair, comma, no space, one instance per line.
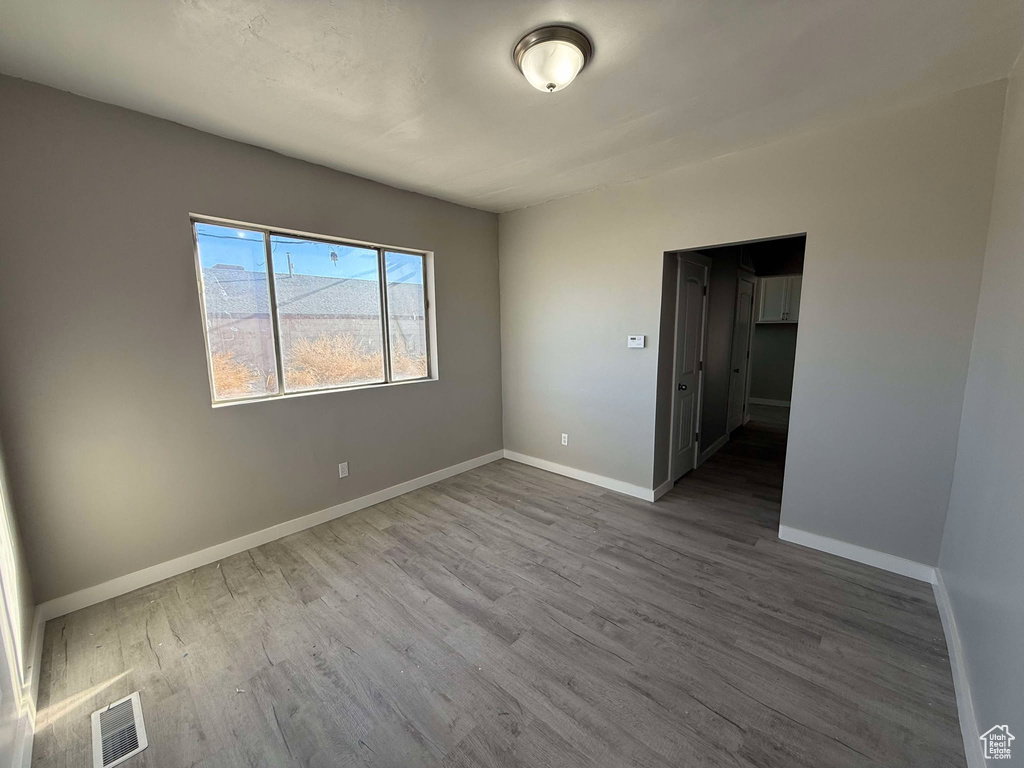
(766,401)
(858,554)
(24,737)
(662,489)
(132,581)
(964,702)
(712,449)
(611,484)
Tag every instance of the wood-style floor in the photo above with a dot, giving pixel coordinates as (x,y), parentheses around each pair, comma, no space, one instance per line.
(511,617)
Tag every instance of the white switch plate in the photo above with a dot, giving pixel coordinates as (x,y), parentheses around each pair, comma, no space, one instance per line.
(635,342)
(343,469)
(565,439)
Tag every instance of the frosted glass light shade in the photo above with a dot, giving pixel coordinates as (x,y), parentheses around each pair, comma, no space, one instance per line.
(552,65)
(551,57)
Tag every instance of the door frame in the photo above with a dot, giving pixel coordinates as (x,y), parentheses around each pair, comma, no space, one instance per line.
(661,469)
(693,257)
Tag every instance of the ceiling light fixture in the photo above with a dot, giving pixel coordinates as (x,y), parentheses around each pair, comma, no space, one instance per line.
(551,57)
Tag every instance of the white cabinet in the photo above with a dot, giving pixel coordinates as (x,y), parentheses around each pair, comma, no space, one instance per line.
(772,307)
(779,300)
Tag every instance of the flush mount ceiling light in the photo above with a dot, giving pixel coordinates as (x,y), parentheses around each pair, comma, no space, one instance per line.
(551,57)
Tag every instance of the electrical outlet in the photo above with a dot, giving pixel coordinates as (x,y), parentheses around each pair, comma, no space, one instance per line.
(343,469)
(565,439)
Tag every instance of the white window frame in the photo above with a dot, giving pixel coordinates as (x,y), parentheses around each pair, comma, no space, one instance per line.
(382,251)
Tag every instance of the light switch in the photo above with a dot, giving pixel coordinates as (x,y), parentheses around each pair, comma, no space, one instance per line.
(635,342)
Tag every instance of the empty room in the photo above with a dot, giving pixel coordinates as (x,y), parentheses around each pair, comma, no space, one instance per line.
(490,384)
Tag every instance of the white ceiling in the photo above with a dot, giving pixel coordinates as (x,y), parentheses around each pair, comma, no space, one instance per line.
(424,95)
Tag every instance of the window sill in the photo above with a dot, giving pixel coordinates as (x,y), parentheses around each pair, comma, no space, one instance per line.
(333,390)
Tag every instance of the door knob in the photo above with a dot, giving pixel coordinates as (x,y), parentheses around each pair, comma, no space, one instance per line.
(735,370)
(682,387)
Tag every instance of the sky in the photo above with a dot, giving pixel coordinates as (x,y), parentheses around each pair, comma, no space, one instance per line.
(240,247)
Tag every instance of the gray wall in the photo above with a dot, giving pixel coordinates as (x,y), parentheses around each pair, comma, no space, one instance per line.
(896,211)
(116,459)
(982,561)
(772,357)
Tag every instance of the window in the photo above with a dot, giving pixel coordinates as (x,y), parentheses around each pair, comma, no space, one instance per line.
(287,313)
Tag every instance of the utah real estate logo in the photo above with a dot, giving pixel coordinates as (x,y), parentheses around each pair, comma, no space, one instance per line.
(997,742)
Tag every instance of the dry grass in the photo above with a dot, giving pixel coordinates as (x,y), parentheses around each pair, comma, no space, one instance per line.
(234,379)
(330,361)
(405,365)
(326,361)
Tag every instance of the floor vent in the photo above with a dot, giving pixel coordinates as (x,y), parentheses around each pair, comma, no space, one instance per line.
(118,732)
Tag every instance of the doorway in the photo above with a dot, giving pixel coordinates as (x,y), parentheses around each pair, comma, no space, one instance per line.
(728,313)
